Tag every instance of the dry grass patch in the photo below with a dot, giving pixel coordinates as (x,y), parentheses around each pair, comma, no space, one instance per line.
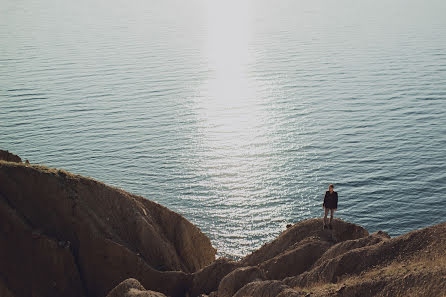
(410,278)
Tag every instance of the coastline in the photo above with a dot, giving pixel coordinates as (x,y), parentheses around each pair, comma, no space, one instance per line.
(68,235)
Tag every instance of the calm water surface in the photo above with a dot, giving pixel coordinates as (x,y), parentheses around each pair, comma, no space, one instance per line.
(236,114)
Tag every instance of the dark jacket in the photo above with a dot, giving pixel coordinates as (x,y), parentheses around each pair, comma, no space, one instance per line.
(331,200)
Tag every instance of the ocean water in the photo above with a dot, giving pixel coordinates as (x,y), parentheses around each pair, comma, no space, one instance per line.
(236,114)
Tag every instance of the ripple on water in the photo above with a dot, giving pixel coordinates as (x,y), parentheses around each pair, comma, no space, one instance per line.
(240,131)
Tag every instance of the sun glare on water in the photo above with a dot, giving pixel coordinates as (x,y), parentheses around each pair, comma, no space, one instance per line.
(227,49)
(235,137)
(227,101)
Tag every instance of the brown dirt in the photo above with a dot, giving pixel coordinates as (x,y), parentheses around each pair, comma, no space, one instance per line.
(111,235)
(207,279)
(413,264)
(312,228)
(295,261)
(262,289)
(132,288)
(238,278)
(67,235)
(34,264)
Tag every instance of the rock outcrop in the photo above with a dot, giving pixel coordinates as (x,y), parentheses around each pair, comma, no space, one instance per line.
(238,278)
(67,235)
(132,288)
(308,261)
(9,157)
(208,279)
(413,264)
(304,232)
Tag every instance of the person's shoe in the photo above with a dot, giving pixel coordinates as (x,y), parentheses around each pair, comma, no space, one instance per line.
(330,226)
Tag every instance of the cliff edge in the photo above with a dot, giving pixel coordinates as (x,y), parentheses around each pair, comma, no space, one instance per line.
(67,235)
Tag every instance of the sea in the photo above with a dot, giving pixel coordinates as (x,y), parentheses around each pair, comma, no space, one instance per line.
(236,114)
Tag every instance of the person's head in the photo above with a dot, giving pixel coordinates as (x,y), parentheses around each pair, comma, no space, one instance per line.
(331,188)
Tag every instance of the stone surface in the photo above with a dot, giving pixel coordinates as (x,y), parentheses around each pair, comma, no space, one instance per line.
(132,288)
(382,264)
(311,228)
(112,235)
(207,279)
(238,278)
(34,265)
(295,261)
(67,235)
(262,289)
(9,157)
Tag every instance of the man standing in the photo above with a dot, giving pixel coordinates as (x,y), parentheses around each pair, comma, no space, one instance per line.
(330,203)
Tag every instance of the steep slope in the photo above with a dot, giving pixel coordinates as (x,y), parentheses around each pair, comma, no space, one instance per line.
(307,261)
(67,235)
(413,264)
(96,234)
(401,266)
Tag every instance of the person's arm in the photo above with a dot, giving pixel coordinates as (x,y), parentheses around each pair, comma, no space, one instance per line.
(325,199)
(336,201)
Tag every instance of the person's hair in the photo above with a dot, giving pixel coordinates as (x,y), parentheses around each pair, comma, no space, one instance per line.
(331,186)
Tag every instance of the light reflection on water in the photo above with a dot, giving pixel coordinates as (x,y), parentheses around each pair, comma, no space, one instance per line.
(236,114)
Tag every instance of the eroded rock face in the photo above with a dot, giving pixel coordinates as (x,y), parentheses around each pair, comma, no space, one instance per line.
(67,235)
(207,279)
(132,288)
(292,253)
(9,157)
(238,278)
(382,263)
(345,246)
(262,289)
(110,236)
(295,261)
(292,236)
(33,264)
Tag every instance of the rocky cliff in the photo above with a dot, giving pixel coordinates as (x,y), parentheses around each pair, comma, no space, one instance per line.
(67,235)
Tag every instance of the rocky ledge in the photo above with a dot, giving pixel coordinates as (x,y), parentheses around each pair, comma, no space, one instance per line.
(67,235)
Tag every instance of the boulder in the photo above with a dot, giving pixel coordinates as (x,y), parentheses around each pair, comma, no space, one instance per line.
(348,245)
(295,261)
(238,278)
(291,237)
(293,293)
(132,288)
(261,289)
(207,279)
